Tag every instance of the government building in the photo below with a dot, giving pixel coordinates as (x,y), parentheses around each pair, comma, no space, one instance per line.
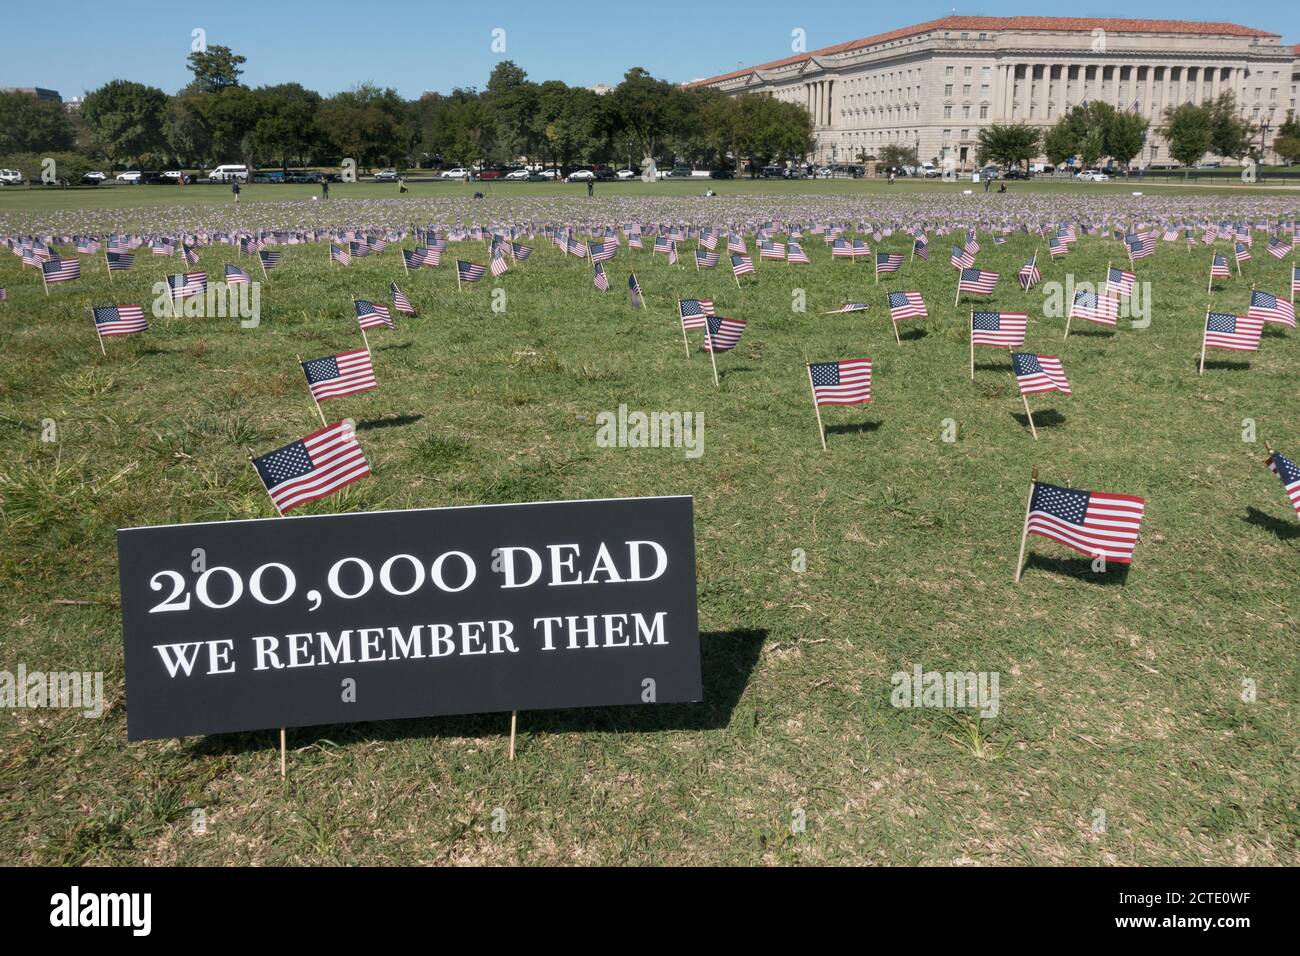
(935,84)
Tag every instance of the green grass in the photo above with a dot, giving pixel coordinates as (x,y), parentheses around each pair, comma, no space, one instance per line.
(1118,692)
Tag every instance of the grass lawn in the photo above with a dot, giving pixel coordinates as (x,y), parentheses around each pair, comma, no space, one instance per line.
(1122,735)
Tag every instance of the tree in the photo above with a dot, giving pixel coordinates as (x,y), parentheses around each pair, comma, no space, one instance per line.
(649,109)
(127,118)
(1125,137)
(1287,142)
(31,124)
(1008,144)
(512,101)
(1058,144)
(1188,130)
(215,68)
(896,157)
(285,125)
(367,124)
(1230,134)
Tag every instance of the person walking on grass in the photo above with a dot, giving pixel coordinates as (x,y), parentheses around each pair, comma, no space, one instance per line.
(324,188)
(234,188)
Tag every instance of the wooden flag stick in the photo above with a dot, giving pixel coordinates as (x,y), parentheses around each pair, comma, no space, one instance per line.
(957,297)
(284,760)
(972,345)
(107,266)
(1030,415)
(97,332)
(262,263)
(712,355)
(1204,329)
(1236,259)
(685,343)
(894,322)
(514,721)
(1068,319)
(1024,534)
(1209,286)
(365,340)
(821,431)
(313,395)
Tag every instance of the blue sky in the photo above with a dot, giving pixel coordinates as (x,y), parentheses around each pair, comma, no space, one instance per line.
(431,45)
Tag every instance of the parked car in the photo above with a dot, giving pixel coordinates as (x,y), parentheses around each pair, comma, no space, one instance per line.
(131,177)
(678,172)
(304,176)
(773,172)
(460,172)
(228,172)
(722,172)
(990,172)
(173,174)
(386,176)
(930,171)
(270,176)
(580,176)
(10,177)
(625,174)
(1017,173)
(603,173)
(492,172)
(518,174)
(794,172)
(96,176)
(547,174)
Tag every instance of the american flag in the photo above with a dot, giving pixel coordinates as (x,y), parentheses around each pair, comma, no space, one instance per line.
(972,245)
(1277,248)
(340,255)
(400,302)
(119,261)
(977,281)
(771,250)
(1270,308)
(1295,279)
(1235,332)
(236,275)
(906,305)
(163,247)
(1219,267)
(520,251)
(270,259)
(704,259)
(694,311)
(1119,282)
(960,258)
(721,334)
(119,319)
(4,293)
(848,307)
(1242,251)
(634,241)
(61,270)
(500,265)
(794,253)
(1103,309)
(861,250)
(662,244)
(1091,522)
(186,284)
(634,292)
(1286,470)
(841,249)
(998,328)
(735,243)
(888,262)
(846,382)
(343,374)
(921,248)
(600,279)
(1141,246)
(1029,274)
(191,257)
(1057,247)
(370,315)
(1039,373)
(469,271)
(312,467)
(740,265)
(603,250)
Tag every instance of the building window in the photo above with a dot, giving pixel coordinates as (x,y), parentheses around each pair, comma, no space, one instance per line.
(984,112)
(965,134)
(966,71)
(965,89)
(947,71)
(947,89)
(965,112)
(947,112)
(947,135)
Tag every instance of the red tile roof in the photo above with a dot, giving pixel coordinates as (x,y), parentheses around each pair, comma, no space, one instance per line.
(989,24)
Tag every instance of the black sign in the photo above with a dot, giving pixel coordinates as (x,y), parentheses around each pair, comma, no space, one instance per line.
(290,622)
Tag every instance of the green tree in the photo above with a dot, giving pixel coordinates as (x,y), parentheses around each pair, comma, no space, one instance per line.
(285,124)
(1230,133)
(1125,137)
(215,68)
(512,101)
(1287,141)
(31,124)
(127,119)
(368,124)
(893,156)
(1188,130)
(1008,144)
(1058,144)
(647,108)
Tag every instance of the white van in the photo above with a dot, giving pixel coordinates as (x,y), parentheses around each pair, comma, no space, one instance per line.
(224,174)
(10,177)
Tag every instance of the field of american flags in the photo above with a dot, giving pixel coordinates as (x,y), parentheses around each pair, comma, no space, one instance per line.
(1120,691)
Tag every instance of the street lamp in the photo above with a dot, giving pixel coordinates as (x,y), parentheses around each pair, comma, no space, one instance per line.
(1263,138)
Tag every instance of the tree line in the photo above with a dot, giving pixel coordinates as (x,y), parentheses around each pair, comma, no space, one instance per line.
(218,119)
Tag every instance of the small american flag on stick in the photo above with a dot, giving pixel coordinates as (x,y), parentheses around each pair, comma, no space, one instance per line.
(312,467)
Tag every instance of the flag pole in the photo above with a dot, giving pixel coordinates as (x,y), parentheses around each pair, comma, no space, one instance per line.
(957,297)
(313,395)
(708,341)
(1209,286)
(107,266)
(685,342)
(972,345)
(98,334)
(514,720)
(821,431)
(1030,415)
(1204,329)
(1068,319)
(897,340)
(262,263)
(1024,534)
(283,749)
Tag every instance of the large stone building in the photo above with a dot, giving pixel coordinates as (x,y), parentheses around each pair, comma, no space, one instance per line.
(935,84)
